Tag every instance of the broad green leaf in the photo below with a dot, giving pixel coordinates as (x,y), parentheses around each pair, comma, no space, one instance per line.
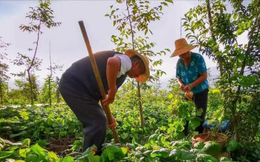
(124,135)
(241,56)
(124,150)
(39,151)
(186,155)
(235,16)
(211,148)
(41,143)
(24,115)
(32,157)
(23,152)
(164,152)
(199,145)
(67,159)
(53,157)
(232,145)
(26,142)
(93,158)
(153,138)
(5,154)
(114,152)
(211,41)
(195,122)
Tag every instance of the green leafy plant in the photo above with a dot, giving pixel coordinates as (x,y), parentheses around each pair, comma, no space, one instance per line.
(216,31)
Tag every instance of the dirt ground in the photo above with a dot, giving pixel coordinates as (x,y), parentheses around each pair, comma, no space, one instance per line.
(61,147)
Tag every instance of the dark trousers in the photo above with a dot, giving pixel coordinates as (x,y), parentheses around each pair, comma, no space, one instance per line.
(201,101)
(88,112)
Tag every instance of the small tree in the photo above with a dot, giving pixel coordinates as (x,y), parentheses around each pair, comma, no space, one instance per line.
(134,19)
(40,16)
(50,85)
(57,91)
(28,83)
(3,70)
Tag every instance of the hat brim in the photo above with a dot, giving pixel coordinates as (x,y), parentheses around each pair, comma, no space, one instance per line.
(143,77)
(182,51)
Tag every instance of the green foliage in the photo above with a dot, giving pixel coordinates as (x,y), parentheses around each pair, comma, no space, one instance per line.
(88,155)
(133,27)
(3,71)
(39,17)
(217,32)
(233,145)
(50,91)
(161,138)
(135,19)
(211,148)
(38,123)
(23,152)
(28,80)
(164,112)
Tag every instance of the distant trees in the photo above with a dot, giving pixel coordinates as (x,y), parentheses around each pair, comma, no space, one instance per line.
(50,90)
(28,80)
(3,70)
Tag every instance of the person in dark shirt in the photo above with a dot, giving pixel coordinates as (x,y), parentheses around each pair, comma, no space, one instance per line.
(79,88)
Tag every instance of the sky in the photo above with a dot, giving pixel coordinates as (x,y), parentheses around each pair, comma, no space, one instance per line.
(67,44)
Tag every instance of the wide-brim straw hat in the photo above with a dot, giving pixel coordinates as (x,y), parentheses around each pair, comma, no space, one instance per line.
(143,77)
(181,47)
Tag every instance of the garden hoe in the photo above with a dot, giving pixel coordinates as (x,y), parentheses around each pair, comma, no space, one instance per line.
(98,78)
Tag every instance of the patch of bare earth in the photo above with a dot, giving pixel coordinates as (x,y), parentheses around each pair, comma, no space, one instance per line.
(61,146)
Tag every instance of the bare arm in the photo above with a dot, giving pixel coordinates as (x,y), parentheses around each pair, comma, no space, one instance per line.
(181,84)
(113,66)
(201,79)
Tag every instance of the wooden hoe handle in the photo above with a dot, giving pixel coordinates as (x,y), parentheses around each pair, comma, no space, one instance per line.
(98,78)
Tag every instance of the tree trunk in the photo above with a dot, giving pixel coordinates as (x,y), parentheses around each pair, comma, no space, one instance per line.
(1,92)
(138,84)
(31,88)
(49,91)
(140,105)
(219,59)
(57,91)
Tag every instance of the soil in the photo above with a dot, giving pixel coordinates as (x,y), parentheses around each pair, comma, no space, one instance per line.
(60,147)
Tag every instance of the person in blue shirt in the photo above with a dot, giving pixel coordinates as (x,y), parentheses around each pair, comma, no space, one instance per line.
(79,89)
(191,72)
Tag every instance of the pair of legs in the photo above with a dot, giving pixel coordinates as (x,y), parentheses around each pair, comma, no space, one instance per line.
(88,112)
(201,101)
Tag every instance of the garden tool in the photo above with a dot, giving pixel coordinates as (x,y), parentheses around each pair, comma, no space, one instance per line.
(98,78)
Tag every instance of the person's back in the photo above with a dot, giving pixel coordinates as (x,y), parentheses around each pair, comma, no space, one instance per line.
(80,76)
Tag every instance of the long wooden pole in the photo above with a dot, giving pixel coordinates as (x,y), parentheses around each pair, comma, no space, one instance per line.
(98,78)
